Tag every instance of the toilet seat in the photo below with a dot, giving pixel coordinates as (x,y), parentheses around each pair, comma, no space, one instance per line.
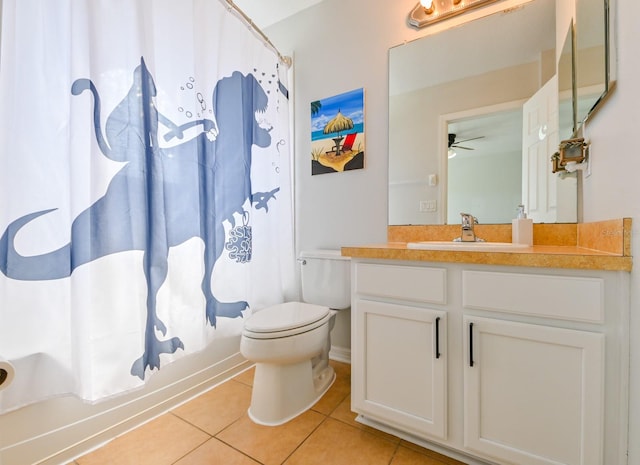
(285,320)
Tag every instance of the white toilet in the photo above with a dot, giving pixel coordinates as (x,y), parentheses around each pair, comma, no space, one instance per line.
(290,342)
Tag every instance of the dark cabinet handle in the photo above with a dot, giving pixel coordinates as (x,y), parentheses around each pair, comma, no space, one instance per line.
(470,344)
(438,337)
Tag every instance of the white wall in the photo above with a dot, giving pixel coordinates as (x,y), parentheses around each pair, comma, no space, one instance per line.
(613,189)
(342,45)
(489,186)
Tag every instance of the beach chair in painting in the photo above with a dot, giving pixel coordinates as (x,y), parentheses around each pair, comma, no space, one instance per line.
(348,142)
(346,147)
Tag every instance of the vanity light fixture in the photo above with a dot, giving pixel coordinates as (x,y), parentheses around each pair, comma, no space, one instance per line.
(430,11)
(571,154)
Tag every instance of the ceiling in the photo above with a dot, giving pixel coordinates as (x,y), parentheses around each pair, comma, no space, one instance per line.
(267,12)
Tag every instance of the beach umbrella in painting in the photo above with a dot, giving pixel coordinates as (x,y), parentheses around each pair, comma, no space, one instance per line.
(338,124)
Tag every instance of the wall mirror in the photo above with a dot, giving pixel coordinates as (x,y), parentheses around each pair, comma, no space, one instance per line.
(459,93)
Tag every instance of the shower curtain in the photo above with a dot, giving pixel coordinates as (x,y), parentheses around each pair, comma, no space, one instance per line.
(145,192)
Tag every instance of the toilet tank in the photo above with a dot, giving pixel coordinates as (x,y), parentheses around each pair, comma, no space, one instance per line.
(326,278)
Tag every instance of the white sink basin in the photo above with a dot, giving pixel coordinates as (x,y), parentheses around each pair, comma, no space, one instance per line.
(466,246)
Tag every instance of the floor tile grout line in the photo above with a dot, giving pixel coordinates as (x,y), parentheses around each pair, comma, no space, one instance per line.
(191,424)
(226,444)
(255,459)
(395,452)
(214,436)
(306,437)
(194,449)
(238,450)
(210,436)
(231,445)
(334,408)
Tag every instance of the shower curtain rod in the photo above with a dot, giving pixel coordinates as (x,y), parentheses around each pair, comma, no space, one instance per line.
(286,60)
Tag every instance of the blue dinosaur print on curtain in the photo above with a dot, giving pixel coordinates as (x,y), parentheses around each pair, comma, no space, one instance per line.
(162,197)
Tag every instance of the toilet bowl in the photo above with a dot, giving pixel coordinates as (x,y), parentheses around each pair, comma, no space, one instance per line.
(290,342)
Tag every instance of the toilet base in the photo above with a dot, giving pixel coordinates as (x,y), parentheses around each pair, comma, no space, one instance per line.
(282,392)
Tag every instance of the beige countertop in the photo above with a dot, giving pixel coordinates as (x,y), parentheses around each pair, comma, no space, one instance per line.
(601,245)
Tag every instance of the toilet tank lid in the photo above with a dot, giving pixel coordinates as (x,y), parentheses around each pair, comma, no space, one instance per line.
(331,254)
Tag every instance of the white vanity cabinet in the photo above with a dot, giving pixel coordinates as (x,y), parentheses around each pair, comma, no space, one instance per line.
(533,394)
(532,365)
(400,344)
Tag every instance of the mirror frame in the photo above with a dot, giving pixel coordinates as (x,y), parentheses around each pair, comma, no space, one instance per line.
(609,59)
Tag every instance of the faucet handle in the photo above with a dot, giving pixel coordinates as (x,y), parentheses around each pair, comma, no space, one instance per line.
(468,219)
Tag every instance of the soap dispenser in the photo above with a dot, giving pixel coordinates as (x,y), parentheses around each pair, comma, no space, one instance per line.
(522,228)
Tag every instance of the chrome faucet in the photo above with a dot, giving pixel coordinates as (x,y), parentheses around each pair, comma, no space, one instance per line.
(468,234)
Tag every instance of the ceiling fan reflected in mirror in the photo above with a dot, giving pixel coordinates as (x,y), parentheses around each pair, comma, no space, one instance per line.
(453,144)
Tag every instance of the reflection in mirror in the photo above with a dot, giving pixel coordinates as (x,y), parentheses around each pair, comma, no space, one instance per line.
(501,58)
(592,57)
(488,146)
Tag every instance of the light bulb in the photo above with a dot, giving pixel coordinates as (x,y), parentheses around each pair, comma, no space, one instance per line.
(428,6)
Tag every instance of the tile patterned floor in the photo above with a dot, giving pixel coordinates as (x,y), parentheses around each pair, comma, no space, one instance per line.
(214,429)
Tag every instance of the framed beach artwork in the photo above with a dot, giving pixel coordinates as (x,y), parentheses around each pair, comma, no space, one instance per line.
(337,133)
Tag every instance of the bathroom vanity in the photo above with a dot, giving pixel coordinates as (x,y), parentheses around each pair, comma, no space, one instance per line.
(514,357)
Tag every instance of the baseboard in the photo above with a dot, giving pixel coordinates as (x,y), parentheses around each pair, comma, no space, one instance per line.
(340,354)
(463,458)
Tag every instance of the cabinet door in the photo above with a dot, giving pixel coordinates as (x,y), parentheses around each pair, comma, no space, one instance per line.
(533,394)
(400,366)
